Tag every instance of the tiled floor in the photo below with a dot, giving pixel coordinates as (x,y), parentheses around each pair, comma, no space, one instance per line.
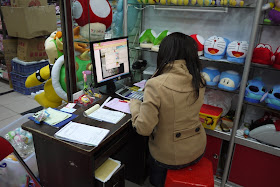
(13,104)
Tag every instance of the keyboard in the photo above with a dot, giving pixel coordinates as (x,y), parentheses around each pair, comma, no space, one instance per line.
(128,93)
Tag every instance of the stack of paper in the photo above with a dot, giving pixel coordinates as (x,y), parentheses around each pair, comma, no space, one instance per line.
(98,113)
(107,169)
(82,134)
(55,116)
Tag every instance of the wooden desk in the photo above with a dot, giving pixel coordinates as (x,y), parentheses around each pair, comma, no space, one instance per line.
(65,164)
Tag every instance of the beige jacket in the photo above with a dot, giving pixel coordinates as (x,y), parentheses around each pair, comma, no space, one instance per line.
(169,114)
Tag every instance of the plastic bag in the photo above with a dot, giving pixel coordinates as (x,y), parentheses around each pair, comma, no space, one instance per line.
(218,99)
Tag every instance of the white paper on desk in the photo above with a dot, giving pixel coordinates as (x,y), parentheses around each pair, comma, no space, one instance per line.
(82,134)
(119,105)
(140,84)
(109,116)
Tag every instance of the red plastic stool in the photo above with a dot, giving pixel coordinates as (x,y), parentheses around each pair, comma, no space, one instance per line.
(200,174)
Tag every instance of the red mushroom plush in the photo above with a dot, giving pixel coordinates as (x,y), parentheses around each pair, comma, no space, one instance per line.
(93,17)
(200,43)
(262,54)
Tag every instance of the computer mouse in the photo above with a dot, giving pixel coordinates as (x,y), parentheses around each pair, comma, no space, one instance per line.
(266,134)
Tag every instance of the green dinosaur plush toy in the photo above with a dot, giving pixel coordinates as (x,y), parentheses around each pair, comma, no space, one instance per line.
(147,38)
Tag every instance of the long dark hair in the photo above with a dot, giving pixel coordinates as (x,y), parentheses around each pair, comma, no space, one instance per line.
(178,46)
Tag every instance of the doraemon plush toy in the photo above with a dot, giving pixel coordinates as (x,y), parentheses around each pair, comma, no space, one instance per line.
(147,38)
(229,80)
(237,51)
(215,47)
(273,98)
(211,75)
(254,91)
(262,54)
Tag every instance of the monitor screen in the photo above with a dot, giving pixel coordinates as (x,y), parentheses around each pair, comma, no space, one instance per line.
(110,60)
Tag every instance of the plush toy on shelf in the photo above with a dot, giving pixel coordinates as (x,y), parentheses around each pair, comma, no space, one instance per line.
(229,80)
(262,54)
(211,75)
(237,51)
(200,43)
(215,47)
(273,98)
(254,91)
(54,75)
(221,2)
(147,38)
(93,17)
(236,3)
(158,40)
(179,2)
(163,2)
(202,2)
(276,58)
(274,13)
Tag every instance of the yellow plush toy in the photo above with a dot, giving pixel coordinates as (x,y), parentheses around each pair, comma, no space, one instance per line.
(54,91)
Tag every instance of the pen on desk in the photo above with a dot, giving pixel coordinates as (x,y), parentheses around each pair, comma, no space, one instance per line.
(105,102)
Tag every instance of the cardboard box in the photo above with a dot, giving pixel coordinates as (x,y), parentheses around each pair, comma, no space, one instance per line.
(28,3)
(31,49)
(10,51)
(29,22)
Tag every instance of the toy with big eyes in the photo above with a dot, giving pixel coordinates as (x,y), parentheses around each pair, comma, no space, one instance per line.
(237,51)
(273,98)
(262,54)
(254,91)
(229,80)
(215,47)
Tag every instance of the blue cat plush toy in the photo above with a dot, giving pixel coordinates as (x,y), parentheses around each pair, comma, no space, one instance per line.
(211,75)
(215,47)
(273,98)
(254,91)
(229,80)
(237,51)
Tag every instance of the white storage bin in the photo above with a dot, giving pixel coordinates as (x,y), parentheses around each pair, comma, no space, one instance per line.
(14,175)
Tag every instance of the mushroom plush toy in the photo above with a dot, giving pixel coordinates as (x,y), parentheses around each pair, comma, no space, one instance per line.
(93,18)
(200,43)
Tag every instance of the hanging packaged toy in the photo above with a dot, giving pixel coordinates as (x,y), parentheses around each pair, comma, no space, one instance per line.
(211,75)
(229,80)
(237,51)
(262,54)
(254,91)
(273,98)
(200,43)
(276,58)
(274,13)
(215,47)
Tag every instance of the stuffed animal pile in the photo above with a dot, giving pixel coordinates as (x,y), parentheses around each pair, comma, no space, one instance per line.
(227,80)
(215,47)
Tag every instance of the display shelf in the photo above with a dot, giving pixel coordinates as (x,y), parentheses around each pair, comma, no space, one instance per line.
(254,144)
(270,24)
(254,65)
(214,7)
(217,88)
(218,134)
(263,106)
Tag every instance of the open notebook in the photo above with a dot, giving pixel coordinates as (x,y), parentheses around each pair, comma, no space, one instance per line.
(82,134)
(98,113)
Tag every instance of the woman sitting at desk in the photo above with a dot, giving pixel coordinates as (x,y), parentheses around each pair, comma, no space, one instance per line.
(169,113)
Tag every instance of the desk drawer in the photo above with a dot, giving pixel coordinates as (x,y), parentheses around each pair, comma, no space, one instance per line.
(117,180)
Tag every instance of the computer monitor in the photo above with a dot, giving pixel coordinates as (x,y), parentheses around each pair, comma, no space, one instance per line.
(110,60)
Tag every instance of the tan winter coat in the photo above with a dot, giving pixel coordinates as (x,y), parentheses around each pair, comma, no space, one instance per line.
(169,114)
